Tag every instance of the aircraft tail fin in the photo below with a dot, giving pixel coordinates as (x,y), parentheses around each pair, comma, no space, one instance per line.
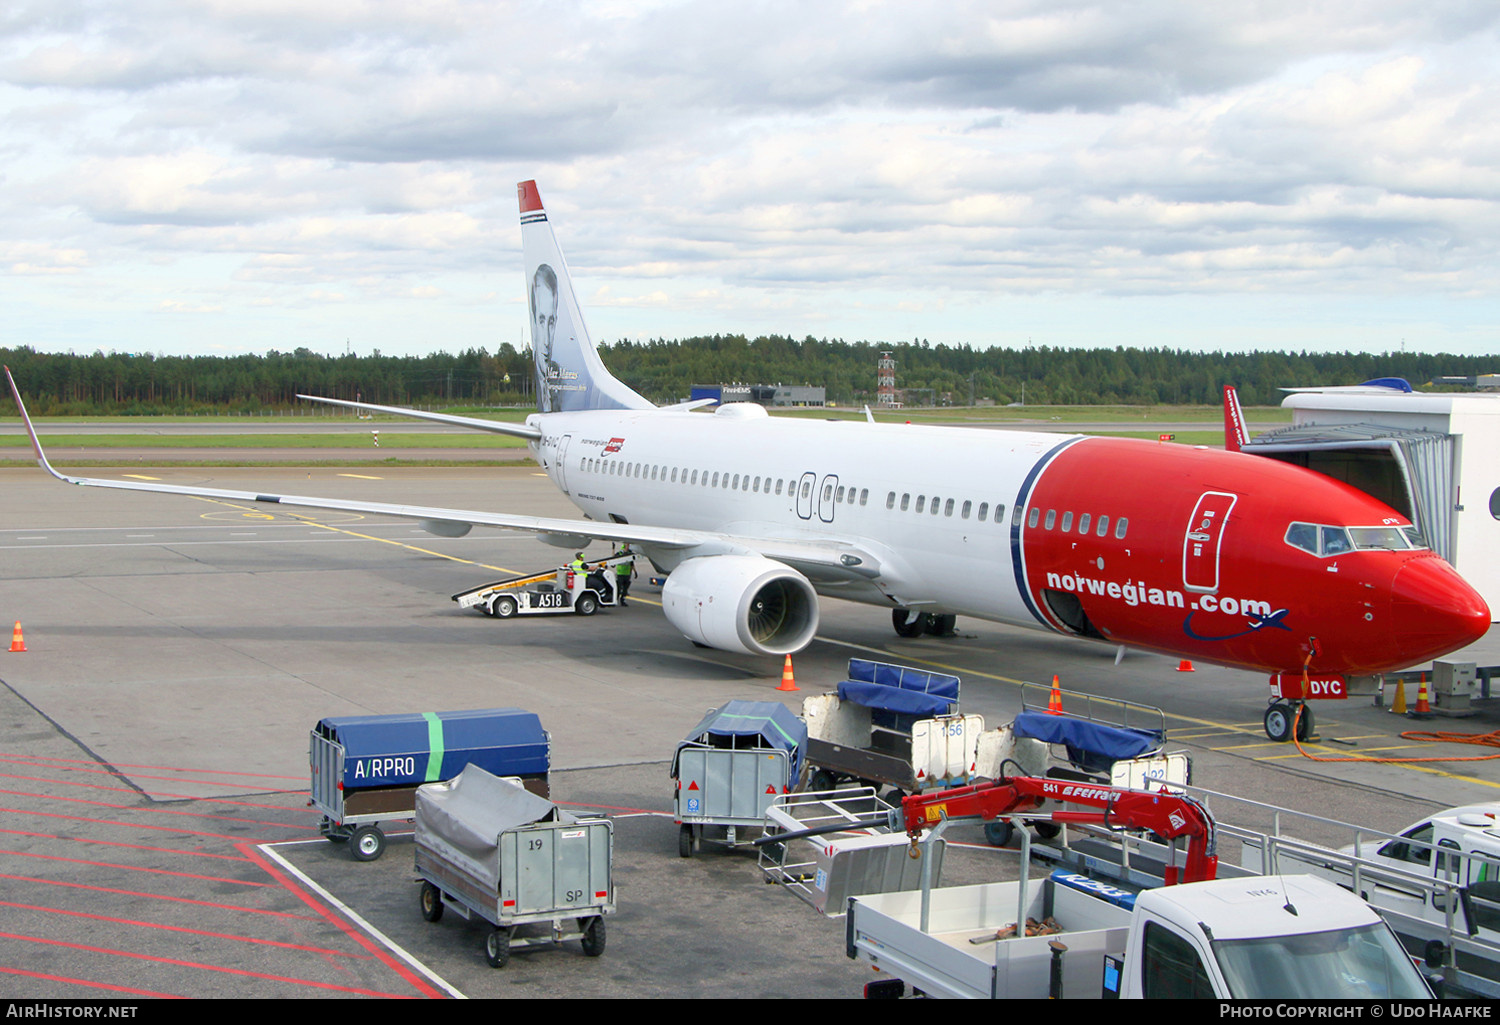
(1235,434)
(569,374)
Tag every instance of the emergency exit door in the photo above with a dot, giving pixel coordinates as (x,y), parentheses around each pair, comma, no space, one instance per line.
(1204,540)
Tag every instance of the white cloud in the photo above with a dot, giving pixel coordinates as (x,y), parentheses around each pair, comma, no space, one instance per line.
(856,169)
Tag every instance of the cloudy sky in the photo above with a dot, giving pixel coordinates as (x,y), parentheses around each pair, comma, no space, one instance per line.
(223,176)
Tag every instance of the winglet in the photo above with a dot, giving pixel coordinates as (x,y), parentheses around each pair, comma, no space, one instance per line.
(36,446)
(1235,434)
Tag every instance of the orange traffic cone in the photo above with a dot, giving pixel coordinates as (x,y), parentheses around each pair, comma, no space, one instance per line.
(1398,707)
(1423,710)
(17,642)
(1054,700)
(787,683)
(1185,666)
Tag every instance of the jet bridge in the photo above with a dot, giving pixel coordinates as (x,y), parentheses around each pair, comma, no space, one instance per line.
(1408,449)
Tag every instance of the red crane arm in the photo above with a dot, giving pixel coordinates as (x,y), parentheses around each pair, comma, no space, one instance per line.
(1167,815)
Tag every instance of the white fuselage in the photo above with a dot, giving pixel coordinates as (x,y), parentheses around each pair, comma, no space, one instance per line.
(740,472)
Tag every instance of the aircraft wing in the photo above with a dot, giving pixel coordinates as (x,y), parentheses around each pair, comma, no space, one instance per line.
(473,423)
(447,522)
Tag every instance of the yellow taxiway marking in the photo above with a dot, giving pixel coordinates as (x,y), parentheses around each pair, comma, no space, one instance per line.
(354,533)
(361,476)
(139,476)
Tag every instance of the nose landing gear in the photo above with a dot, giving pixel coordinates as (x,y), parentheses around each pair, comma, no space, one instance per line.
(1283,716)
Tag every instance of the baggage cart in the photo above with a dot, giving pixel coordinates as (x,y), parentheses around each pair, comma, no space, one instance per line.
(550,591)
(491,850)
(733,764)
(366,769)
(890,725)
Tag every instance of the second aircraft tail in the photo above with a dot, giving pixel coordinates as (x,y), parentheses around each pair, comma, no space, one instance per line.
(569,374)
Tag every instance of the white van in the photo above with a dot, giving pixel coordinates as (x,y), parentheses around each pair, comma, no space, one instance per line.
(1459,847)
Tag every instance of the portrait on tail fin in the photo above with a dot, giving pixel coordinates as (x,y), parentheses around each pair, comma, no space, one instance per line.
(543,295)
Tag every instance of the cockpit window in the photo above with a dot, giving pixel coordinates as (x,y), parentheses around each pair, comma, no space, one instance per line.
(1393,539)
(1322,539)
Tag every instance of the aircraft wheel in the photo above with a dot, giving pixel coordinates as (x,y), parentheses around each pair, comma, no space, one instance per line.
(942,626)
(1304,722)
(1278,722)
(586,605)
(909,623)
(503,607)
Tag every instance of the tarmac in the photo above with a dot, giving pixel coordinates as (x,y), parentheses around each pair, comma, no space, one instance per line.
(156,837)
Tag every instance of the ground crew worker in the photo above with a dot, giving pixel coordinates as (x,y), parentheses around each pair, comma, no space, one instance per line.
(578,568)
(623,572)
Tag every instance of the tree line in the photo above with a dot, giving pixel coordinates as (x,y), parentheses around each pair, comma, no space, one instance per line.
(110,383)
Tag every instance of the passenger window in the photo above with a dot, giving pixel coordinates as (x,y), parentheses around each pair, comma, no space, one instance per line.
(1051,519)
(839,495)
(963,512)
(1067,522)
(1103,528)
(827,492)
(921,501)
(1031,520)
(806,488)
(1083,524)
(935,503)
(984,511)
(778,485)
(948,507)
(905,501)
(999,514)
(864,495)
(1120,527)
(716,479)
(890,500)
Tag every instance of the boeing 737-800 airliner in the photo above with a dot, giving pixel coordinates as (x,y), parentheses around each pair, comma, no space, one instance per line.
(1197,553)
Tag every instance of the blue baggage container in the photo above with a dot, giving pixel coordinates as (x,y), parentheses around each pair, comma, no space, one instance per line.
(366,768)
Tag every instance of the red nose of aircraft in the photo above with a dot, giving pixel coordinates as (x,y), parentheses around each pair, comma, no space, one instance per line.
(1435,611)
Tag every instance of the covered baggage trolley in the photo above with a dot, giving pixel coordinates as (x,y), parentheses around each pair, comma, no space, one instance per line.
(732,765)
(366,768)
(890,725)
(491,849)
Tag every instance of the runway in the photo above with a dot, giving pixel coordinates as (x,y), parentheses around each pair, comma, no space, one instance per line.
(179,649)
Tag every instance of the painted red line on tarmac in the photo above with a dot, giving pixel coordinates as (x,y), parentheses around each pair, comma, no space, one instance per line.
(134,868)
(196,964)
(123,825)
(327,913)
(151,809)
(610,807)
(130,846)
(48,760)
(158,896)
(304,809)
(89,985)
(308,948)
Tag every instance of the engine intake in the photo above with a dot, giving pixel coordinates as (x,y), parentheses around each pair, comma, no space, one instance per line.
(743,603)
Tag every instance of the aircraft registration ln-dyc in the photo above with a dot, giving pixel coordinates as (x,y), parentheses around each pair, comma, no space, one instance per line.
(1192,552)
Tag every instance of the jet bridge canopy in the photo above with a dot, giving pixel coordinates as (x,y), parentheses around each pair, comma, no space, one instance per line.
(1409,470)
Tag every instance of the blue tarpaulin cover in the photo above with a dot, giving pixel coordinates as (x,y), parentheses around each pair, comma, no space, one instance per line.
(423,747)
(901,690)
(772,721)
(1092,746)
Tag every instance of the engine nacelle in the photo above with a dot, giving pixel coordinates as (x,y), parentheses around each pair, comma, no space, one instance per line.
(741,603)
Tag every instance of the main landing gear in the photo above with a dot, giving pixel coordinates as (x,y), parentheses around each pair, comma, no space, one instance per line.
(915,624)
(1280,715)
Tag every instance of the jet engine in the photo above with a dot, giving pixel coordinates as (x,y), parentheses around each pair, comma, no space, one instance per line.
(742,603)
